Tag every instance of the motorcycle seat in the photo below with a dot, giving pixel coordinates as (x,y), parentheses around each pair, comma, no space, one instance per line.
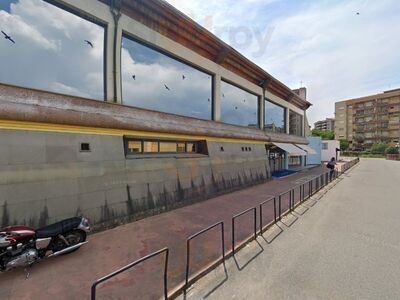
(58,228)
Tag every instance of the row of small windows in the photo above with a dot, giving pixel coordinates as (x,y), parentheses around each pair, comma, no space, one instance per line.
(151,79)
(134,146)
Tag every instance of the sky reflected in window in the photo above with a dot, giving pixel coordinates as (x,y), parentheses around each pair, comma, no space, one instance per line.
(238,106)
(45,47)
(155,81)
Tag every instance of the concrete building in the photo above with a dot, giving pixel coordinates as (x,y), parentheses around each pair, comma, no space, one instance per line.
(328,150)
(121,110)
(327,124)
(369,120)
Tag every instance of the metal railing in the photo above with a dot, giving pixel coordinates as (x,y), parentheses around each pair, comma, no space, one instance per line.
(261,213)
(196,235)
(253,209)
(320,181)
(131,265)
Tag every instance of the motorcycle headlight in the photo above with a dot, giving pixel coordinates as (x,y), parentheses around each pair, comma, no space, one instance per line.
(85,222)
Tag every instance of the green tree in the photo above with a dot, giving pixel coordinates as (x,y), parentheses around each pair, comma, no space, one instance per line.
(392,150)
(344,144)
(379,148)
(324,134)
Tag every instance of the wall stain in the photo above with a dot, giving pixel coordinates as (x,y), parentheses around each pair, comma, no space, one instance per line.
(129,202)
(5,219)
(44,216)
(150,199)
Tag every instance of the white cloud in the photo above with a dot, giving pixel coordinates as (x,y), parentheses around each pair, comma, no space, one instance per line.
(49,51)
(336,53)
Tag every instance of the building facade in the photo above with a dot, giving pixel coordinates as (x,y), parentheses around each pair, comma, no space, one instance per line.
(121,110)
(369,120)
(327,124)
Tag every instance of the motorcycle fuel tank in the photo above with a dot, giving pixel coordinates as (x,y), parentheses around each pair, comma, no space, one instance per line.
(11,236)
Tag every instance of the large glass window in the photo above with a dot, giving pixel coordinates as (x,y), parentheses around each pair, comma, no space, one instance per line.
(45,47)
(238,106)
(155,81)
(295,123)
(274,117)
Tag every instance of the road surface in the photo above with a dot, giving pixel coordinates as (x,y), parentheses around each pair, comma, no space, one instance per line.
(347,246)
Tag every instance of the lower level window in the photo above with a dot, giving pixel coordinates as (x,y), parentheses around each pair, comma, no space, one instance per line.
(135,146)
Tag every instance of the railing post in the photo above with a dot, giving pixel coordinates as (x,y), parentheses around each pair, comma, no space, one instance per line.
(279,204)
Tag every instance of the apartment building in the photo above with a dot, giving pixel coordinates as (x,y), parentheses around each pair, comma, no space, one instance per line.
(327,124)
(368,120)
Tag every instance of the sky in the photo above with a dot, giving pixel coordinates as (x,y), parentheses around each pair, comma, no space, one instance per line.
(323,45)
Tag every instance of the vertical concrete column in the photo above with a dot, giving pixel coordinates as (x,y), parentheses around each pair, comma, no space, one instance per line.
(261,108)
(287,120)
(113,64)
(216,113)
(304,124)
(286,160)
(109,63)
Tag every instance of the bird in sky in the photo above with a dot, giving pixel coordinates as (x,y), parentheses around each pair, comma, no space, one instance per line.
(183,77)
(244,100)
(209,100)
(166,87)
(223,95)
(357,13)
(89,43)
(7,37)
(236,107)
(134,77)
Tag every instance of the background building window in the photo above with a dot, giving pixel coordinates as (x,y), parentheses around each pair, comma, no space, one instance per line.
(324,146)
(51,49)
(274,117)
(295,123)
(153,80)
(238,106)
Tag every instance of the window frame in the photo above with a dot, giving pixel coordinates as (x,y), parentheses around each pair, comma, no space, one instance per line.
(301,123)
(92,19)
(143,154)
(135,38)
(284,114)
(223,79)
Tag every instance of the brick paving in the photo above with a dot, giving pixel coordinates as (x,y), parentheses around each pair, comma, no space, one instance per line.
(71,276)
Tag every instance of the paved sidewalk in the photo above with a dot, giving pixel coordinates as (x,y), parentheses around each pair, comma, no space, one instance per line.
(70,276)
(346,247)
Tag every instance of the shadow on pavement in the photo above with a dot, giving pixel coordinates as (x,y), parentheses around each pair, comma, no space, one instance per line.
(244,253)
(289,219)
(272,236)
(219,284)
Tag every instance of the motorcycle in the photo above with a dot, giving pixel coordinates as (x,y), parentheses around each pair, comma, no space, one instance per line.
(22,246)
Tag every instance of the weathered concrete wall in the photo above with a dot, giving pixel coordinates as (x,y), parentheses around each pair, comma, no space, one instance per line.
(44,178)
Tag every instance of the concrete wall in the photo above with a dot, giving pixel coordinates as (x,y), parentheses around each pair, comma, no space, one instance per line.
(327,154)
(314,143)
(44,178)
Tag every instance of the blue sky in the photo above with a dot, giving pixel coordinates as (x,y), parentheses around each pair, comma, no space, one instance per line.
(324,44)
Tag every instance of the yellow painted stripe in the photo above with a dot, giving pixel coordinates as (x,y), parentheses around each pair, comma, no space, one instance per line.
(48,127)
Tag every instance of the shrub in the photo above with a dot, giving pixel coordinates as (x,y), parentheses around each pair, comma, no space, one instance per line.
(392,150)
(379,148)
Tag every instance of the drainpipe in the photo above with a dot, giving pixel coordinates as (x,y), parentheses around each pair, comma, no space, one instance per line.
(115,8)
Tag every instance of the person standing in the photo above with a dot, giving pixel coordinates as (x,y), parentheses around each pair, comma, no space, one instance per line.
(331,165)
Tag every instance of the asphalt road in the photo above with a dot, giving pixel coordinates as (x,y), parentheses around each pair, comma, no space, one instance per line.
(346,246)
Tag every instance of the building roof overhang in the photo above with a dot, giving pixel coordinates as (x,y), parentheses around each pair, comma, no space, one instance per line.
(170,22)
